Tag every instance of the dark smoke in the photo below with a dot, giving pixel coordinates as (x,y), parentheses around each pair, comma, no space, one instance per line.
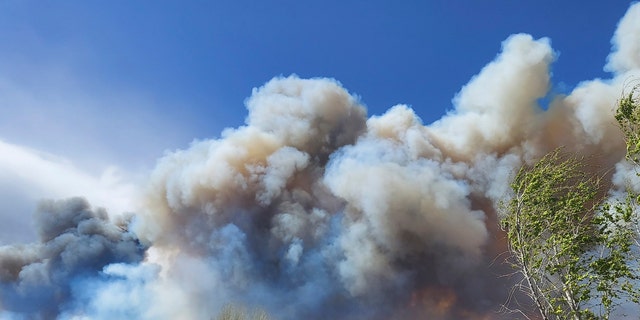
(76,242)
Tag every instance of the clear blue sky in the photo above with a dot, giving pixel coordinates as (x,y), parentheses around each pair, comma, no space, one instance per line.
(128,79)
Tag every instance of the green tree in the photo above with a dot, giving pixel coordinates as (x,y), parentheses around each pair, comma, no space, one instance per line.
(628,117)
(572,249)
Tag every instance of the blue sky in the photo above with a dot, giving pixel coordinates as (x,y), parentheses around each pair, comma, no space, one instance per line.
(98,91)
(135,78)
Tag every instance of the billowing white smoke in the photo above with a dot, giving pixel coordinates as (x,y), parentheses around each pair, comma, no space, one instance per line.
(626,54)
(497,110)
(312,210)
(401,201)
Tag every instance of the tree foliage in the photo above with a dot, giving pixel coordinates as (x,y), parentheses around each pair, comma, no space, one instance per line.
(628,117)
(572,249)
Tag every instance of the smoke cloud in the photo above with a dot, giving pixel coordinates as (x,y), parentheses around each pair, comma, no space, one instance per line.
(313,209)
(75,242)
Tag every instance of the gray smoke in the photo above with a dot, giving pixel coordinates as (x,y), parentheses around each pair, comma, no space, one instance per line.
(76,242)
(314,210)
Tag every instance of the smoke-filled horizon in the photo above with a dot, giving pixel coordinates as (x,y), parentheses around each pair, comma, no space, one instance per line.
(313,209)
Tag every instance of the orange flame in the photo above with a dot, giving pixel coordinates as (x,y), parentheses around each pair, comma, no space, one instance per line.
(441,303)
(438,300)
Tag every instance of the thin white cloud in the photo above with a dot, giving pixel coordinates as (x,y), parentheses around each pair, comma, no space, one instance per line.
(61,137)
(28,175)
(95,128)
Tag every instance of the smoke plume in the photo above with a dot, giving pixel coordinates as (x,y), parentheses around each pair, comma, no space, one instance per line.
(315,210)
(75,242)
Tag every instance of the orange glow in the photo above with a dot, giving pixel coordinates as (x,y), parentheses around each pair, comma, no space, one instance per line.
(442,303)
(438,300)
